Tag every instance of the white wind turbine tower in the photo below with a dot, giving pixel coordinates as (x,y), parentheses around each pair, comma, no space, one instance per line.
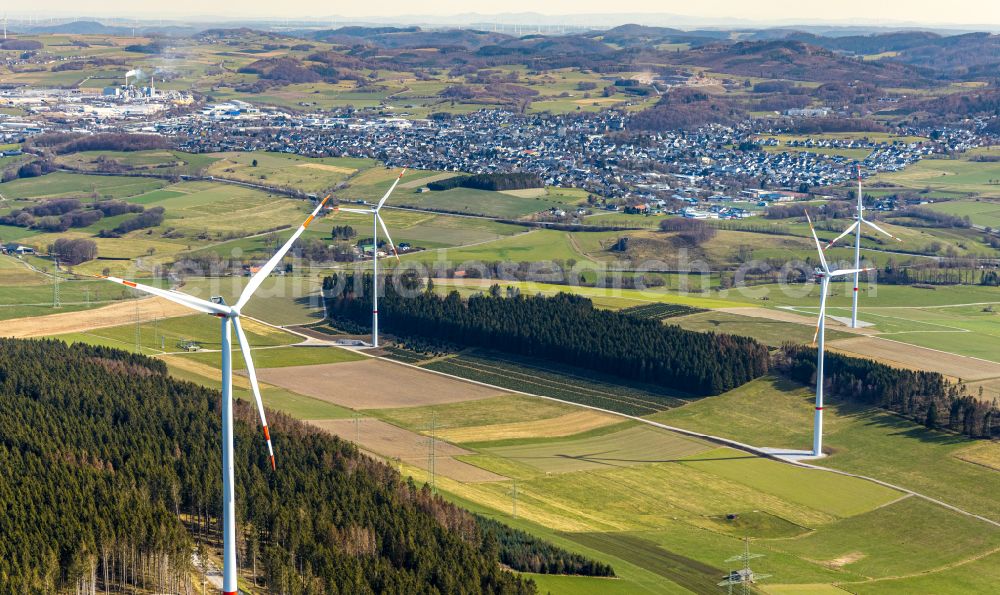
(823,274)
(376,222)
(230,317)
(859,219)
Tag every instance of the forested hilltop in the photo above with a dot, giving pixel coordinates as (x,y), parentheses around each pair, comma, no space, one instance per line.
(105,455)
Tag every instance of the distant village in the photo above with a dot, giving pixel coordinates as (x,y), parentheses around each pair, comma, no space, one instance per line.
(726,172)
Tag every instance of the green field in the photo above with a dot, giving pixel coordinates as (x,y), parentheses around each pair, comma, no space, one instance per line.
(962,176)
(280,300)
(647,494)
(425,230)
(279,357)
(970,330)
(60,184)
(634,445)
(227,209)
(933,537)
(299,406)
(550,380)
(28,292)
(475,202)
(165,335)
(479,412)
(863,440)
(533,246)
(155,161)
(880,296)
(771,332)
(287,170)
(197,214)
(981,212)
(978,575)
(814,528)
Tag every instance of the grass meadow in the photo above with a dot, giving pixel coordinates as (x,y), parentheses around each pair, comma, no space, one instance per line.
(962,176)
(767,412)
(62,184)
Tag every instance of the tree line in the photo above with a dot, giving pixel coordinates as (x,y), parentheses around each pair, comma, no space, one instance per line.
(522,550)
(61,214)
(148,218)
(690,231)
(73,251)
(62,143)
(925,397)
(564,328)
(931,275)
(116,479)
(494,182)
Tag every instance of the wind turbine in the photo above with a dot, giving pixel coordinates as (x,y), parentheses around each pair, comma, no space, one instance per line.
(859,219)
(823,274)
(230,317)
(376,222)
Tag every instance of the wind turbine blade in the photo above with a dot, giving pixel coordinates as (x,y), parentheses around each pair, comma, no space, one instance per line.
(389,191)
(819,248)
(822,309)
(387,236)
(842,272)
(265,270)
(174,296)
(359,211)
(880,230)
(860,195)
(252,373)
(846,231)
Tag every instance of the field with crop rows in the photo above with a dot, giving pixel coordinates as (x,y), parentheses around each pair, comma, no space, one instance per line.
(560,383)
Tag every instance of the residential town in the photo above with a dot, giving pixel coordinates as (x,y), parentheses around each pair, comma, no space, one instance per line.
(591,151)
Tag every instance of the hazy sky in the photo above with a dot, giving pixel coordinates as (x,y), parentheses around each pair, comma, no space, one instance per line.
(969,12)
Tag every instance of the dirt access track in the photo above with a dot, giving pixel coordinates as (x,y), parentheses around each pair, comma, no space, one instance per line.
(86,320)
(374,384)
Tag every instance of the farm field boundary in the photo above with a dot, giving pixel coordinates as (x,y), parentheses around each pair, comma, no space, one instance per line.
(739,446)
(516,374)
(107,316)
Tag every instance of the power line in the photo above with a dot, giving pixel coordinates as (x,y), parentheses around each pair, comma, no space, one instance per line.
(433,449)
(56,301)
(138,332)
(743,577)
(513,495)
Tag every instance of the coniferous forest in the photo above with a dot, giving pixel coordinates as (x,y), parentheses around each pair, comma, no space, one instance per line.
(564,328)
(925,397)
(112,481)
